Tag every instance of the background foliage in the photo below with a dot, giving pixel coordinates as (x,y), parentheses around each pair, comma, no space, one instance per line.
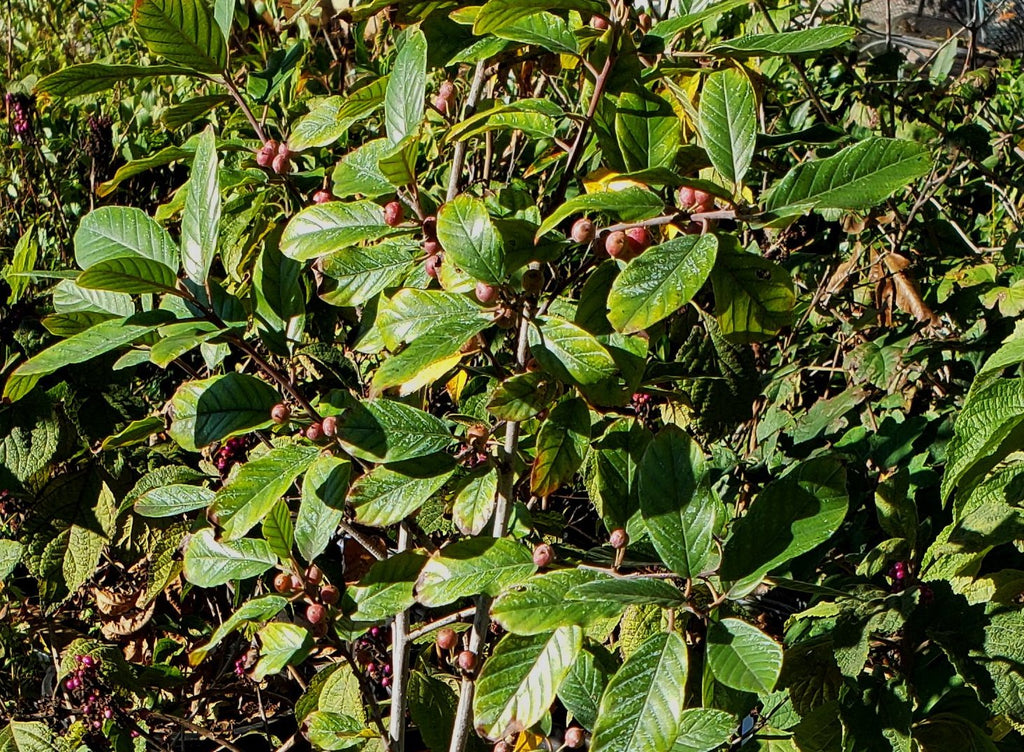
(328,421)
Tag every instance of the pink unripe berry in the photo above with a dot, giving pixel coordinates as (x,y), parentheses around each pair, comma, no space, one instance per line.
(467,661)
(315,432)
(280,413)
(281,164)
(329,594)
(330,424)
(447,639)
(322,197)
(574,736)
(486,293)
(599,22)
(619,538)
(283,150)
(616,244)
(641,239)
(315,613)
(394,213)
(431,247)
(583,230)
(543,555)
(433,266)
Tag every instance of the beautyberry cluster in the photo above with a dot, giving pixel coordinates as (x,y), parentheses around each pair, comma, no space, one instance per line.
(83,684)
(20,109)
(371,652)
(231,451)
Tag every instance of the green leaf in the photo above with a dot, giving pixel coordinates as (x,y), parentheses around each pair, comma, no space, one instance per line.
(643,705)
(585,683)
(330,118)
(359,171)
(281,644)
(472,567)
(647,130)
(27,736)
(10,556)
(728,122)
(858,177)
(631,591)
(184,32)
(522,396)
(542,29)
(540,604)
(407,87)
(387,588)
(358,273)
(505,117)
(220,407)
(520,679)
(322,228)
(411,312)
(658,283)
(383,496)
(333,731)
(130,275)
(322,505)
(789,517)
(432,705)
(172,500)
(743,657)
(787,43)
(986,430)
(200,221)
(428,358)
(250,496)
(669,28)
(98,340)
(470,239)
(754,297)
(389,431)
(112,232)
(209,562)
(629,205)
(498,14)
(474,504)
(561,445)
(280,299)
(704,729)
(569,352)
(279,530)
(398,164)
(92,78)
(677,504)
(610,472)
(258,609)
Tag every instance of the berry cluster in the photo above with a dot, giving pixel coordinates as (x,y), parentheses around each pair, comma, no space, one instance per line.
(231,451)
(444,102)
(371,652)
(474,453)
(319,596)
(277,157)
(642,406)
(98,140)
(431,246)
(83,684)
(20,109)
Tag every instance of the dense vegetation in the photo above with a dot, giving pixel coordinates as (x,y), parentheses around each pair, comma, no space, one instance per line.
(531,374)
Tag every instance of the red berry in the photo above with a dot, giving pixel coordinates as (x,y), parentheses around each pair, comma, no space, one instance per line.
(543,555)
(467,661)
(486,293)
(315,432)
(694,199)
(265,154)
(431,247)
(297,584)
(433,265)
(322,197)
(280,413)
(329,594)
(505,318)
(283,583)
(281,164)
(640,237)
(643,22)
(619,538)
(616,244)
(599,22)
(330,424)
(445,97)
(394,213)
(313,575)
(315,613)
(283,150)
(574,737)
(583,230)
(447,639)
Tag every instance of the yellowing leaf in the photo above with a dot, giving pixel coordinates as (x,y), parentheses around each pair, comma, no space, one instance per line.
(603,179)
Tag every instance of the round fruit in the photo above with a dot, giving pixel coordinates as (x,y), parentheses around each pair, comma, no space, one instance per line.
(616,244)
(505,318)
(638,240)
(574,736)
(281,164)
(322,197)
(533,281)
(694,199)
(643,21)
(330,425)
(431,247)
(502,747)
(280,413)
(315,613)
(265,154)
(619,538)
(467,660)
(297,584)
(583,230)
(543,555)
(315,432)
(433,265)
(313,575)
(329,594)
(447,639)
(599,22)
(486,293)
(283,583)
(429,227)
(445,97)
(394,213)
(284,151)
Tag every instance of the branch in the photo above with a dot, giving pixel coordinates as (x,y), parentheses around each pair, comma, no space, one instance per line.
(460,148)
(399,662)
(442,622)
(237,96)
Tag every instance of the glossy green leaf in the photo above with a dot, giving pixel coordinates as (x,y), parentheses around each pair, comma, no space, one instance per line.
(858,177)
(390,431)
(92,78)
(216,408)
(610,471)
(522,396)
(398,164)
(322,228)
(10,556)
(743,657)
(561,445)
(258,609)
(647,129)
(172,500)
(569,352)
(542,29)
(472,567)
(27,736)
(209,562)
(184,32)
(630,590)
(728,122)
(470,239)
(540,604)
(330,118)
(359,171)
(200,220)
(130,275)
(789,42)
(520,679)
(643,705)
(672,26)
(498,14)
(383,496)
(387,589)
(505,117)
(703,730)
(357,273)
(334,731)
(278,530)
(322,505)
(474,503)
(629,205)
(662,280)
(281,644)
(754,297)
(406,94)
(677,505)
(585,683)
(411,312)
(428,358)
(112,232)
(249,497)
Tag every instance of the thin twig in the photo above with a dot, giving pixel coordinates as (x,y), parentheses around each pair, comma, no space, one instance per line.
(205,733)
(459,156)
(399,663)
(443,622)
(237,96)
